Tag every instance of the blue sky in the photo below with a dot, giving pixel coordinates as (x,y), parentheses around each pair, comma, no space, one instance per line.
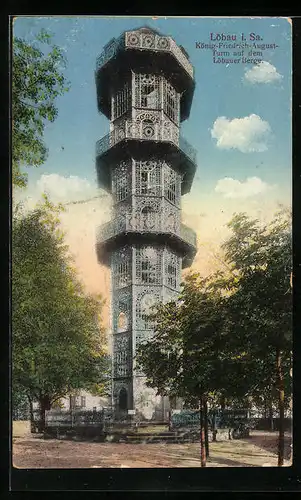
(221,91)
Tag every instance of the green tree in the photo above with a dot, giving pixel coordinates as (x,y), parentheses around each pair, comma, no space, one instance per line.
(184,358)
(37,80)
(228,337)
(20,404)
(56,337)
(259,306)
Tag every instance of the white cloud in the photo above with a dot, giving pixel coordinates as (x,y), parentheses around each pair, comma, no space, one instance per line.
(64,189)
(232,188)
(59,189)
(264,72)
(248,134)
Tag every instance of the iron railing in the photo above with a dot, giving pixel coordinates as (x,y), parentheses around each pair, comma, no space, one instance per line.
(159,44)
(131,129)
(154,223)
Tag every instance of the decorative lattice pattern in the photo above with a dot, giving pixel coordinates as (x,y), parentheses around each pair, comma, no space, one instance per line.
(146,199)
(136,39)
(121,266)
(155,92)
(122,100)
(149,265)
(148,178)
(171,101)
(171,269)
(122,309)
(131,129)
(121,181)
(172,185)
(147,91)
(122,358)
(146,298)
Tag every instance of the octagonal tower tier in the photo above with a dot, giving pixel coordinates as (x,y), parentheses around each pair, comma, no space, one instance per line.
(145,86)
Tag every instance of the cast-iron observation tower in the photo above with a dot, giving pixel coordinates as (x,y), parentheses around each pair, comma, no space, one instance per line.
(145,85)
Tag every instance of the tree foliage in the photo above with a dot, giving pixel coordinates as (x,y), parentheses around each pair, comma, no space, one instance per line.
(37,81)
(259,307)
(230,335)
(57,341)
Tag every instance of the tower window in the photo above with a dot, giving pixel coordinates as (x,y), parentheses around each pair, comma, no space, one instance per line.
(122,100)
(147,91)
(148,178)
(121,182)
(148,266)
(172,186)
(171,105)
(172,275)
(122,276)
(171,192)
(172,269)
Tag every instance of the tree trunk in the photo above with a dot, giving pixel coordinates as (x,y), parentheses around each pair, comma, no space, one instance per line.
(206,427)
(265,408)
(44,405)
(280,384)
(31,415)
(202,433)
(223,402)
(214,430)
(271,418)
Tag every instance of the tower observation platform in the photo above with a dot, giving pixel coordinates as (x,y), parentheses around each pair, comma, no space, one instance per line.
(145,85)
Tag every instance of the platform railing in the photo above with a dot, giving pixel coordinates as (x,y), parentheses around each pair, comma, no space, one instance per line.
(152,42)
(152,223)
(132,129)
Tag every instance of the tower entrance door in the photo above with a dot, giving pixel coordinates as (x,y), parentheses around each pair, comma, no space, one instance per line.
(123,400)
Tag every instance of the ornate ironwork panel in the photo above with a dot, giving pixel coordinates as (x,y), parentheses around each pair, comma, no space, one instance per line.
(145,130)
(121,267)
(110,51)
(146,298)
(148,91)
(171,101)
(149,265)
(172,269)
(172,185)
(122,355)
(122,100)
(146,199)
(122,309)
(121,181)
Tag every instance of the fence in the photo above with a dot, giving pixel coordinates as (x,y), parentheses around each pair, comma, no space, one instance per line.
(216,418)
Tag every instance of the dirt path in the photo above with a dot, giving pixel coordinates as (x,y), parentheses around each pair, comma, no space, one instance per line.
(34,452)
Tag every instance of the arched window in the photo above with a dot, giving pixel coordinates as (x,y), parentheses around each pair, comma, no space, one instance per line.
(123,399)
(122,322)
